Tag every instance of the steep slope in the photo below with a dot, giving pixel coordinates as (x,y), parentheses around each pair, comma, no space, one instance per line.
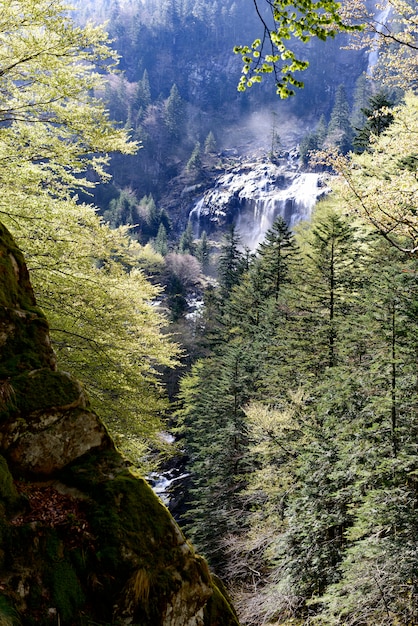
(82,539)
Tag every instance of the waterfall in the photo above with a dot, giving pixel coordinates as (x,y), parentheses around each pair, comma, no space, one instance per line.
(294,203)
(253,195)
(380,19)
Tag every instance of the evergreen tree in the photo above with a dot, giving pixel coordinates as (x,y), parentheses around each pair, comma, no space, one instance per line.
(275,257)
(361,99)
(378,447)
(142,96)
(174,113)
(203,251)
(230,262)
(186,243)
(160,243)
(212,424)
(321,131)
(308,145)
(377,118)
(328,283)
(195,161)
(210,143)
(339,128)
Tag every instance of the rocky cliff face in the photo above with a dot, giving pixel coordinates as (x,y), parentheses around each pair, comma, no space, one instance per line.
(83,541)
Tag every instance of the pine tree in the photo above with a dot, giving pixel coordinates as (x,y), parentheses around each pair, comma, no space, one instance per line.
(328,283)
(142,96)
(339,128)
(195,161)
(377,119)
(230,262)
(361,98)
(174,113)
(308,144)
(377,445)
(212,424)
(160,244)
(203,251)
(275,256)
(210,143)
(186,243)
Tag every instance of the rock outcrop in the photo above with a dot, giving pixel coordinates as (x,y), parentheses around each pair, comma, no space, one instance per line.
(83,541)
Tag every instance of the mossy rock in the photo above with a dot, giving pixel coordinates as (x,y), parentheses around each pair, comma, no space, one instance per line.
(11,501)
(145,558)
(119,559)
(219,610)
(24,344)
(43,389)
(24,338)
(8,615)
(15,288)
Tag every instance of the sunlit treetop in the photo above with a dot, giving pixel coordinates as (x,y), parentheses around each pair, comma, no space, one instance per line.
(289,22)
(49,69)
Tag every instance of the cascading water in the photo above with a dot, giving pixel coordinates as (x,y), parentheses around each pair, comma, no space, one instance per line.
(380,19)
(294,203)
(253,195)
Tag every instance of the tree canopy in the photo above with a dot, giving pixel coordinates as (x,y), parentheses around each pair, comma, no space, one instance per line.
(55,137)
(285,24)
(381,183)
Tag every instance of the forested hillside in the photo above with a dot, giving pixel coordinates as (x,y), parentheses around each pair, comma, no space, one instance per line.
(177,91)
(298,416)
(292,396)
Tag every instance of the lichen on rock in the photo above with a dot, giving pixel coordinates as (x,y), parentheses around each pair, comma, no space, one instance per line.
(83,540)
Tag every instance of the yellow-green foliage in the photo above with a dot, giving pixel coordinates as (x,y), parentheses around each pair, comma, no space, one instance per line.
(381,184)
(87,278)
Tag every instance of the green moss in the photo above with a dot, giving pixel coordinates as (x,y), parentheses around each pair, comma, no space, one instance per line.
(127,513)
(23,322)
(219,610)
(67,595)
(8,615)
(8,492)
(42,389)
(15,288)
(25,348)
(10,500)
(134,533)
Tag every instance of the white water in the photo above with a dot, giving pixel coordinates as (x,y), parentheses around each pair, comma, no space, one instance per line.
(161,483)
(253,195)
(294,203)
(380,20)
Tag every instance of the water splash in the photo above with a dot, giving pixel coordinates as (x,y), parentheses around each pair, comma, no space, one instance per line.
(253,195)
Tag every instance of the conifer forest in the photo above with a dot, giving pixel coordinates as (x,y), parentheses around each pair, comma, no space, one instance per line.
(218,207)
